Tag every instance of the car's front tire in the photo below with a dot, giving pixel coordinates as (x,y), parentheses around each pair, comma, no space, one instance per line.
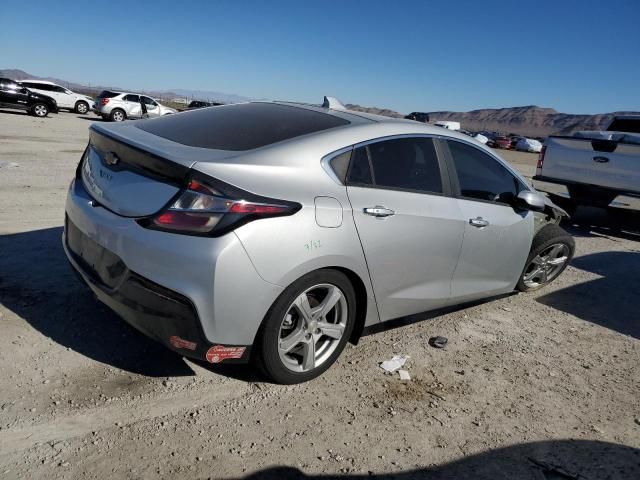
(40,110)
(117,115)
(306,328)
(551,251)
(82,107)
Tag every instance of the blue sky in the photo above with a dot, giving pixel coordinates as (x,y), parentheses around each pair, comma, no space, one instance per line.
(574,56)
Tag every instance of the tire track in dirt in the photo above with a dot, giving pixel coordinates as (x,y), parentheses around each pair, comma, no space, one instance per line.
(94,419)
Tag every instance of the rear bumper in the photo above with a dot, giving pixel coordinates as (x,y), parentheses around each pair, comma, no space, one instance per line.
(159,313)
(189,293)
(570,183)
(586,194)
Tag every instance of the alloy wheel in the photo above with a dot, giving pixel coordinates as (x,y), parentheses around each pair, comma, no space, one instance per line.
(546,266)
(40,110)
(312,328)
(118,116)
(82,108)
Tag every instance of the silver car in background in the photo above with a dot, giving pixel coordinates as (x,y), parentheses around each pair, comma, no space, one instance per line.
(120,106)
(276,232)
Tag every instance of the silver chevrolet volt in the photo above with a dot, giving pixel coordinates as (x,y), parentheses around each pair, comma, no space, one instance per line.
(276,232)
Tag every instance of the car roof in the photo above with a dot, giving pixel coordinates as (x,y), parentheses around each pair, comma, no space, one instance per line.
(359,128)
(357,118)
(365,127)
(44,82)
(132,93)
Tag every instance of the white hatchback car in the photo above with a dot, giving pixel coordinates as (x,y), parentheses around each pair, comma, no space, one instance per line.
(66,99)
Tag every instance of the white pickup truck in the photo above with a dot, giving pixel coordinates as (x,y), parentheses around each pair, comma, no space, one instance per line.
(595,166)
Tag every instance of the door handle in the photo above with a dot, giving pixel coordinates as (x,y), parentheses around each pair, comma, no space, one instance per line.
(478,222)
(600,159)
(378,211)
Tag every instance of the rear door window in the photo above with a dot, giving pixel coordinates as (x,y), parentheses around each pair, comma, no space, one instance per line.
(132,98)
(400,164)
(482,177)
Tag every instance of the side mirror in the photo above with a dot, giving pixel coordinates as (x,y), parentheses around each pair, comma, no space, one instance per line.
(530,201)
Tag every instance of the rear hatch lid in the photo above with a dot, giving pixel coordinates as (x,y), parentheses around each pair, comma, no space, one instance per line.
(134,173)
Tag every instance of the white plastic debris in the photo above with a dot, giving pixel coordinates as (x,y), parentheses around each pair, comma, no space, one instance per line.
(404,375)
(395,363)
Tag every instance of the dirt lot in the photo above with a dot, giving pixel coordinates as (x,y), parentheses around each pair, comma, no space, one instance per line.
(532,386)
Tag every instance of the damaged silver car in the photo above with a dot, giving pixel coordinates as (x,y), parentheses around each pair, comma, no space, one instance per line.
(276,232)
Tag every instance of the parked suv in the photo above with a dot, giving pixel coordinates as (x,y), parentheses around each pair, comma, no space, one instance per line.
(64,97)
(277,231)
(119,106)
(14,95)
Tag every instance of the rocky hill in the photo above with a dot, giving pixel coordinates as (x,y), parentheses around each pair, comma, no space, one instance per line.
(530,120)
(376,111)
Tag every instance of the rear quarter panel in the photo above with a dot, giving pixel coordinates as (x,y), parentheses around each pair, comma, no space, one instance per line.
(284,249)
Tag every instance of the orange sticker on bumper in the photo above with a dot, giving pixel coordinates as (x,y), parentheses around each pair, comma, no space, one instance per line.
(219,353)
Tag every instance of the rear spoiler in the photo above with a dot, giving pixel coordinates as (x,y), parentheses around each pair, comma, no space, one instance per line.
(122,156)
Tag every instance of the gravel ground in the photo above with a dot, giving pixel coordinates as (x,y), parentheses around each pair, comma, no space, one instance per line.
(531,386)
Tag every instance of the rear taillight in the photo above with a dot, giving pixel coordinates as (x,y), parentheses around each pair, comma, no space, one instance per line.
(104,101)
(541,157)
(209,207)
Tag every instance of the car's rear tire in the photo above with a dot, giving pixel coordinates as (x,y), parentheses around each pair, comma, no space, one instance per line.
(306,328)
(40,110)
(551,251)
(82,107)
(117,115)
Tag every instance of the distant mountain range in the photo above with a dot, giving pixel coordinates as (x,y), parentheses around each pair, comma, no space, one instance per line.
(530,120)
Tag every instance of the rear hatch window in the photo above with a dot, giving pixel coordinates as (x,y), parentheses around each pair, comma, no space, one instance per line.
(240,127)
(108,94)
